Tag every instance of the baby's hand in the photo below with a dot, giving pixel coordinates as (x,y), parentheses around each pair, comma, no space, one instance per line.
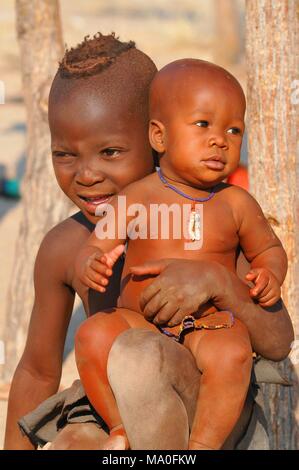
(266,287)
(97,268)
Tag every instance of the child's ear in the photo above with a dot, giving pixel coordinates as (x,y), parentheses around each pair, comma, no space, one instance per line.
(157,135)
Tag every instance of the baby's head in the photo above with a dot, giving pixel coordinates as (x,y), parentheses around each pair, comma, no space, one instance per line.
(197,121)
(98,117)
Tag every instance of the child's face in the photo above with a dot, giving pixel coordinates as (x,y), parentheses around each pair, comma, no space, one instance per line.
(98,148)
(203,133)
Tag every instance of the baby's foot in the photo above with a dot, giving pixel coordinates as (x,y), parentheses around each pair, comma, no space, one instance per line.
(115,442)
(195,445)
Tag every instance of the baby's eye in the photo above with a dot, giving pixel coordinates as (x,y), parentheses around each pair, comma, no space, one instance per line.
(202,123)
(111,152)
(234,130)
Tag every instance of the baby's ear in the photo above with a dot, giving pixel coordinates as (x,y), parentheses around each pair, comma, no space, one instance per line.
(157,135)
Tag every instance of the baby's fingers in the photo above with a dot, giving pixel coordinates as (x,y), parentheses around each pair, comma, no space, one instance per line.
(260,284)
(95,277)
(100,268)
(95,286)
(112,256)
(252,274)
(269,299)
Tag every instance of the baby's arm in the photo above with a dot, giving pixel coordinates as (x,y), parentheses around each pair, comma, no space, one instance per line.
(261,247)
(96,259)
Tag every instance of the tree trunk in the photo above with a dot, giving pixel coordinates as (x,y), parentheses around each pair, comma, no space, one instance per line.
(272,39)
(43,204)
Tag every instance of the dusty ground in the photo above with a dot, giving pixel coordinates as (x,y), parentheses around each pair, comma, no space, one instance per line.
(165,30)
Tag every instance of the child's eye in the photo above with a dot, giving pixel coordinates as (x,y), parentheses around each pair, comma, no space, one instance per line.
(234,130)
(202,123)
(62,154)
(110,152)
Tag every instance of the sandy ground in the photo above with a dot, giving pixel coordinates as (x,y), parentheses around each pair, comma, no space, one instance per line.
(165,30)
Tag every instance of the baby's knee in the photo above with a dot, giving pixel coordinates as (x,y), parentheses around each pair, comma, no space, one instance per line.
(90,336)
(229,356)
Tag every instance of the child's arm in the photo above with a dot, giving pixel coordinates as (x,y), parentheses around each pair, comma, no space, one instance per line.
(261,247)
(38,373)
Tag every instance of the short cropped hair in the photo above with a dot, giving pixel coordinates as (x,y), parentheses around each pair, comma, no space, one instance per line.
(112,69)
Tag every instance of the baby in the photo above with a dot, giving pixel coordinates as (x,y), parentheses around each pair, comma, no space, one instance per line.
(197,123)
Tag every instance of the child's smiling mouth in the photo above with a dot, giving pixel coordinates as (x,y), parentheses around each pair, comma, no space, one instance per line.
(92,202)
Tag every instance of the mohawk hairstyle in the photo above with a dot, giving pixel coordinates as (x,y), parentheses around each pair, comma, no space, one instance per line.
(109,70)
(92,56)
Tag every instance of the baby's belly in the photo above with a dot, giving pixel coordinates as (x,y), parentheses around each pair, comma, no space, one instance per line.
(133,286)
(131,289)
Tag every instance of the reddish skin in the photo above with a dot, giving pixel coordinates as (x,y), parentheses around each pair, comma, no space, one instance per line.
(193,133)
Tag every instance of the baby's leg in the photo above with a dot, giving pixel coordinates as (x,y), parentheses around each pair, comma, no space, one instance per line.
(93,342)
(224,358)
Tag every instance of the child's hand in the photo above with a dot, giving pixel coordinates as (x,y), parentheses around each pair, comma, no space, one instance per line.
(266,287)
(96,269)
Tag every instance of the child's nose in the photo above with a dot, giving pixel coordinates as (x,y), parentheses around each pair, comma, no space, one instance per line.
(87,175)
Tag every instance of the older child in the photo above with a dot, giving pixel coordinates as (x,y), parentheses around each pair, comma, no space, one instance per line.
(98,117)
(197,123)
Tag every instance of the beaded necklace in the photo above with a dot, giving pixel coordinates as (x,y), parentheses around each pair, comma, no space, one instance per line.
(194,220)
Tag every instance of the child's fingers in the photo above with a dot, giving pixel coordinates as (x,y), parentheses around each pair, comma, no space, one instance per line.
(112,256)
(95,277)
(251,275)
(260,284)
(95,286)
(269,299)
(100,268)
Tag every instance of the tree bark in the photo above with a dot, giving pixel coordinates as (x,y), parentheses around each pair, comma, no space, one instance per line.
(43,204)
(271,42)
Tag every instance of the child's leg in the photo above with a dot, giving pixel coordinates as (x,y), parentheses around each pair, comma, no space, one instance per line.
(79,436)
(93,342)
(224,357)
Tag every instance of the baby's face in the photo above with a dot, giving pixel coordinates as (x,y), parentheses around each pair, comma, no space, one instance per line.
(97,150)
(203,134)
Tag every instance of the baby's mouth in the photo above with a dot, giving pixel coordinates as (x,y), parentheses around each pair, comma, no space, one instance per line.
(214,162)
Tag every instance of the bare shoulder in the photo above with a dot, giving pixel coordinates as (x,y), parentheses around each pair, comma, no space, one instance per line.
(243,205)
(235,194)
(238,198)
(142,188)
(61,244)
